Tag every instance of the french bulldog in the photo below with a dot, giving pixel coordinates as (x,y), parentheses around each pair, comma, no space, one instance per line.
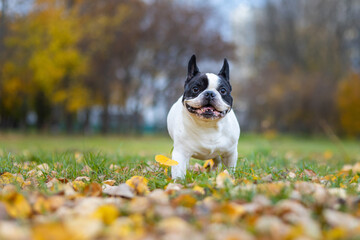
(202,123)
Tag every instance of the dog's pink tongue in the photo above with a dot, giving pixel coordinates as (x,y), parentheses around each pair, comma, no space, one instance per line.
(205,109)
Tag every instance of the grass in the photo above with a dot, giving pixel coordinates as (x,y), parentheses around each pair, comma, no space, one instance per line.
(282,177)
(259,156)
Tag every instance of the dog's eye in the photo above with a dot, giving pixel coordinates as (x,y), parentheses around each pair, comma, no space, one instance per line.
(223,91)
(195,89)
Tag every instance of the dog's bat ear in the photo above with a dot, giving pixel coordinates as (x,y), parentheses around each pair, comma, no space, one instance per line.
(192,67)
(224,72)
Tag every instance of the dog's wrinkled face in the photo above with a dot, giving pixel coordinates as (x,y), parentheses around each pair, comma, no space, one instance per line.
(207,95)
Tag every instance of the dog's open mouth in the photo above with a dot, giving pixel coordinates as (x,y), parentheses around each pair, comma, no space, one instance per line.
(207,111)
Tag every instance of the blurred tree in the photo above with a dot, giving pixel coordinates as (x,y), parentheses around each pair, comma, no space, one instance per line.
(348,101)
(136,50)
(302,52)
(65,56)
(44,65)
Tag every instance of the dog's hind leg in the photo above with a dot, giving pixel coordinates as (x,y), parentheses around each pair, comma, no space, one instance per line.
(217,162)
(179,171)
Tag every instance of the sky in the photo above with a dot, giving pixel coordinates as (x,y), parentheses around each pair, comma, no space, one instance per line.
(224,10)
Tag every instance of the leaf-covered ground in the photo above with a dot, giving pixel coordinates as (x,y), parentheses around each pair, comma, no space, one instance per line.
(272,194)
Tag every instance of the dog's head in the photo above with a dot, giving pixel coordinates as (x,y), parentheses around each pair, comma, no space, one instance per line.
(207,95)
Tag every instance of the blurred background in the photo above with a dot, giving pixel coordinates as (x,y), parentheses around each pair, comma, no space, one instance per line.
(111,66)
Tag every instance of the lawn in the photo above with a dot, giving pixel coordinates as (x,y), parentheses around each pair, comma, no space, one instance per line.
(93,187)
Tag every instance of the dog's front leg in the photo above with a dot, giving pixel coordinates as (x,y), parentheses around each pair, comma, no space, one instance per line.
(230,159)
(179,171)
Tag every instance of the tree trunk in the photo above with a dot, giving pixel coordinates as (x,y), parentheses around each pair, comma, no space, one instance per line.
(86,123)
(105,117)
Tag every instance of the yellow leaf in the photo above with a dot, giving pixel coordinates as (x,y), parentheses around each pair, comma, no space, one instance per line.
(209,164)
(139,184)
(55,231)
(109,182)
(199,189)
(93,189)
(17,206)
(106,213)
(232,210)
(354,179)
(7,178)
(165,160)
(185,200)
(78,185)
(223,178)
(42,205)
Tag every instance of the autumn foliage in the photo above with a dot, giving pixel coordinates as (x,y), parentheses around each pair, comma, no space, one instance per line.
(63,58)
(348,100)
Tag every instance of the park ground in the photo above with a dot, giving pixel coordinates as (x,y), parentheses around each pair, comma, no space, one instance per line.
(94,187)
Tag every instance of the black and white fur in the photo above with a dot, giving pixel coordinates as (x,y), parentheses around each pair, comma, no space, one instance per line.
(202,123)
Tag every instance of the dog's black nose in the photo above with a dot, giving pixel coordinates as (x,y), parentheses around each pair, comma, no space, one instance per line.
(210,94)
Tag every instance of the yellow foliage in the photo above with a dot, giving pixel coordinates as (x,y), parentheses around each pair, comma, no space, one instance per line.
(224,178)
(16,205)
(78,185)
(55,231)
(209,164)
(42,205)
(106,213)
(46,57)
(7,178)
(165,160)
(199,189)
(348,102)
(185,200)
(139,184)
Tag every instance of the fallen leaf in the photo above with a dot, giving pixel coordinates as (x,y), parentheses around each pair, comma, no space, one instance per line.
(159,196)
(16,205)
(106,213)
(86,169)
(3,212)
(8,178)
(292,175)
(50,230)
(308,172)
(78,185)
(42,205)
(123,190)
(165,160)
(174,224)
(56,202)
(84,228)
(224,178)
(139,184)
(339,219)
(199,189)
(173,187)
(93,189)
(13,230)
(35,173)
(50,184)
(44,167)
(209,164)
(82,178)
(109,182)
(185,200)
(267,178)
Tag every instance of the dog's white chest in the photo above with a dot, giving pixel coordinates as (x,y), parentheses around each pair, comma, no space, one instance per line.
(202,140)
